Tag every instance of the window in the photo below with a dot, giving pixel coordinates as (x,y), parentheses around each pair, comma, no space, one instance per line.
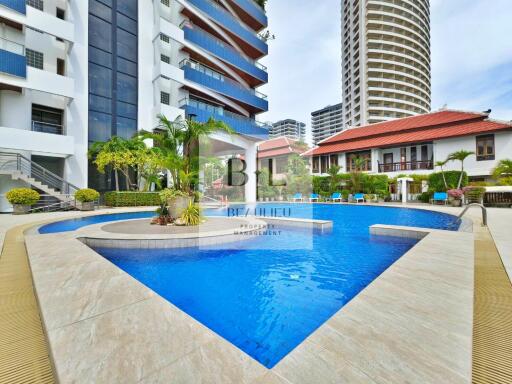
(316,164)
(324,164)
(165,2)
(61,67)
(334,160)
(47,119)
(165,59)
(281,165)
(424,153)
(164,38)
(165,98)
(485,148)
(38,4)
(61,14)
(366,163)
(34,59)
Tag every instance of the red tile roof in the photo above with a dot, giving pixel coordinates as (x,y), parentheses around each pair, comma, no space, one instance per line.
(428,127)
(279,146)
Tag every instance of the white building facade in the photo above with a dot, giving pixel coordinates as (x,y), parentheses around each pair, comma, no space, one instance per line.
(76,72)
(386,60)
(326,122)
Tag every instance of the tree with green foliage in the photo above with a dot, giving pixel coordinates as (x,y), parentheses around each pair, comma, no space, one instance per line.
(299,179)
(461,156)
(334,178)
(441,165)
(357,175)
(503,172)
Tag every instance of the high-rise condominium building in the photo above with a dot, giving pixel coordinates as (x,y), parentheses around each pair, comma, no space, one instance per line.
(289,128)
(385,59)
(76,72)
(326,122)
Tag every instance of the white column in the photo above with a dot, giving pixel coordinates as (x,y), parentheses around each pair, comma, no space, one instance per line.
(404,191)
(250,186)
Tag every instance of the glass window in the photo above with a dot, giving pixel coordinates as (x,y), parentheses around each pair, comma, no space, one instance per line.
(164,38)
(165,59)
(126,128)
(126,23)
(38,4)
(127,67)
(485,148)
(126,45)
(100,34)
(100,57)
(281,164)
(100,80)
(34,59)
(100,104)
(100,126)
(316,164)
(128,8)
(165,98)
(100,10)
(126,88)
(126,110)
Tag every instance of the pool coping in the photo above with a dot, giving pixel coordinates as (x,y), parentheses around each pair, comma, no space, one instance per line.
(207,349)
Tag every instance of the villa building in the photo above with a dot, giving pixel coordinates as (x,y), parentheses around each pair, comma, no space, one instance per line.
(386,60)
(292,129)
(273,154)
(326,122)
(413,145)
(76,72)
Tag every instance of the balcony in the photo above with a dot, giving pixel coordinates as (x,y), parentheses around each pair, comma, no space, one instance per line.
(17,5)
(406,166)
(224,52)
(254,10)
(12,58)
(203,112)
(229,22)
(223,85)
(40,126)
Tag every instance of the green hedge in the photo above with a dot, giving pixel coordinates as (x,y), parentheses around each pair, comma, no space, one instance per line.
(436,183)
(132,199)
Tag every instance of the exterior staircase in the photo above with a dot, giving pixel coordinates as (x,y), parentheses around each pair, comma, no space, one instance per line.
(59,192)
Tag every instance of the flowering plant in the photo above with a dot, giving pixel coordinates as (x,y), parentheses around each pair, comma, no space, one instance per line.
(456,193)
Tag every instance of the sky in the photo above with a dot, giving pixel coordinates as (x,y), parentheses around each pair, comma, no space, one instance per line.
(471,57)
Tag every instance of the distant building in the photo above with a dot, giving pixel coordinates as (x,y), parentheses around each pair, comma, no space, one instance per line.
(289,128)
(326,122)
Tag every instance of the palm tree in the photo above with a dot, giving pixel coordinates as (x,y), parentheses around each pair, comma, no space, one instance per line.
(503,169)
(334,177)
(359,164)
(441,164)
(460,156)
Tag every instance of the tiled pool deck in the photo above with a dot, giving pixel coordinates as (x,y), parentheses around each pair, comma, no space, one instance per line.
(412,324)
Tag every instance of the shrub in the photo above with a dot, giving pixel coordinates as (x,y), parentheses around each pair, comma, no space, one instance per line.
(321,183)
(169,193)
(87,195)
(132,199)
(425,197)
(436,183)
(375,183)
(191,216)
(345,193)
(22,196)
(474,194)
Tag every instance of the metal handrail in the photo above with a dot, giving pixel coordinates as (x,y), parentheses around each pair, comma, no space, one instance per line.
(406,166)
(41,126)
(36,171)
(484,212)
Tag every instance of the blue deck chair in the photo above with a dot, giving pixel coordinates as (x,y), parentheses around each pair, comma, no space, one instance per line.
(313,197)
(440,196)
(297,197)
(336,196)
(359,197)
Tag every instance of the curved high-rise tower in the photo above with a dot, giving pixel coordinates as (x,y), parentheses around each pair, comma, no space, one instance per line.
(385,59)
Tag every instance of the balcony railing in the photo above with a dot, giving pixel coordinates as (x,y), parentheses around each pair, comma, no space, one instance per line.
(253,9)
(224,52)
(39,126)
(12,58)
(240,124)
(17,5)
(228,21)
(224,85)
(406,166)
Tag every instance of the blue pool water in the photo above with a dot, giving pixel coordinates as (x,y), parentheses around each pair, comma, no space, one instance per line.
(265,297)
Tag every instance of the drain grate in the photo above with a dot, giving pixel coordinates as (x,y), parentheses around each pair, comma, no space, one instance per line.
(492,321)
(24,356)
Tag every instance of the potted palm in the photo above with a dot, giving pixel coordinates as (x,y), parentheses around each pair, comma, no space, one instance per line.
(177,201)
(22,199)
(86,197)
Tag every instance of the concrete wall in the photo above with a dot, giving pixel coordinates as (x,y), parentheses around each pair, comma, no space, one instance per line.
(6,184)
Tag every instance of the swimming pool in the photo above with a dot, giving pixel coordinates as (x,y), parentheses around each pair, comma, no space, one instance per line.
(266,298)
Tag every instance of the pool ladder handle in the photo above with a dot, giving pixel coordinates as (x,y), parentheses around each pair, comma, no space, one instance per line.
(484,212)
